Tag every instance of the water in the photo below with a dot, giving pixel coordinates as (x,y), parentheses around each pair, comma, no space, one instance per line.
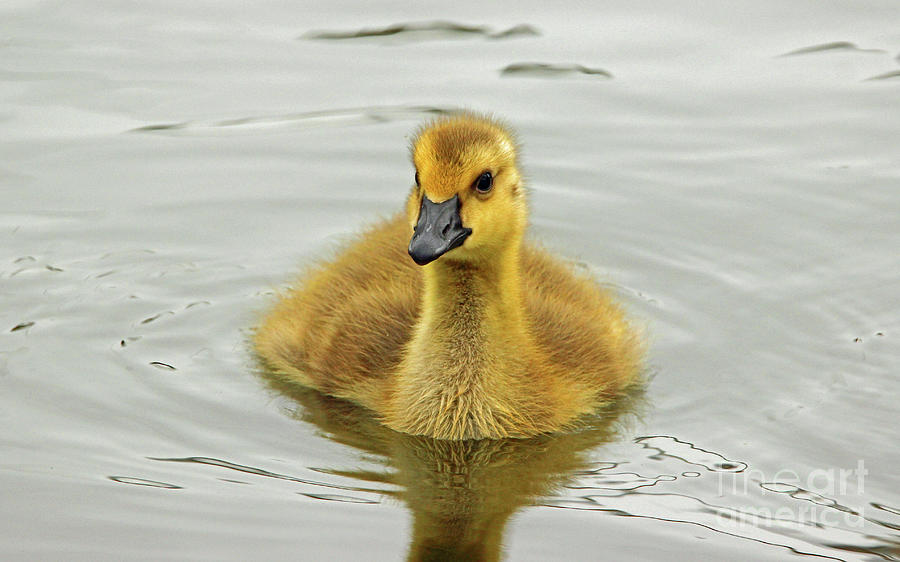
(163,168)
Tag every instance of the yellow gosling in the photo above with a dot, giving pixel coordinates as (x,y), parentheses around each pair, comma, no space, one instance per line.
(488,336)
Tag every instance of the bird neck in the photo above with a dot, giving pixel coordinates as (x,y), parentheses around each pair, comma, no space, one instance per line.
(474,308)
(474,302)
(470,349)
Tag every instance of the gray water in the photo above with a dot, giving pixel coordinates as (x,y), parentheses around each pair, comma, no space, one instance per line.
(730,169)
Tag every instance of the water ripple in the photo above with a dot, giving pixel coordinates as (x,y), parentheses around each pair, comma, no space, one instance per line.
(333,117)
(799,520)
(424,31)
(759,524)
(621,481)
(673,447)
(144,482)
(546,70)
(707,516)
(883,507)
(885,76)
(828,47)
(338,498)
(161,365)
(801,494)
(208,461)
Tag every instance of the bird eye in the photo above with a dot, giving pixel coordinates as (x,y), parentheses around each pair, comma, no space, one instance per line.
(417,179)
(484,183)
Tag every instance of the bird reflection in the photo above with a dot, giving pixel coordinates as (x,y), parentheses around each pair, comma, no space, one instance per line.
(461,493)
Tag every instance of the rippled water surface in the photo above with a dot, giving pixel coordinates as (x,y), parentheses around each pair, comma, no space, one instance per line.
(730,169)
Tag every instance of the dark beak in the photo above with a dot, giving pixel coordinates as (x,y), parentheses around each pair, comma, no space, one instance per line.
(438,231)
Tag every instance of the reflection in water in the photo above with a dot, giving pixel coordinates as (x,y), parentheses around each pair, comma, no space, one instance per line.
(461,493)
